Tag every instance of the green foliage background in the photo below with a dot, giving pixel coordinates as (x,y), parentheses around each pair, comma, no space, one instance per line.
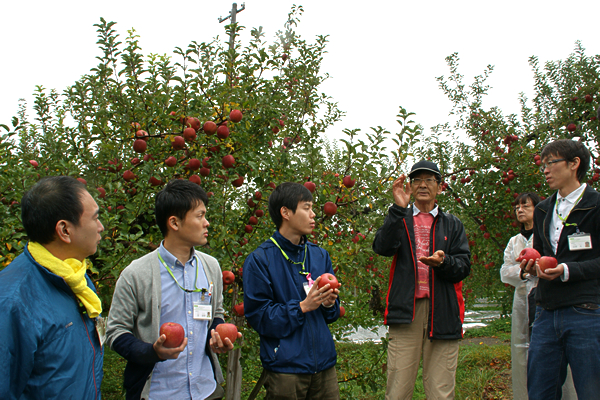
(87,131)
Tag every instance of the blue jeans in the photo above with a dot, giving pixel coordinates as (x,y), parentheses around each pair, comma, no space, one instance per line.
(568,335)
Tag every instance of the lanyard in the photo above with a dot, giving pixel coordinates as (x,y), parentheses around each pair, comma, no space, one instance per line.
(181,287)
(303,272)
(564,220)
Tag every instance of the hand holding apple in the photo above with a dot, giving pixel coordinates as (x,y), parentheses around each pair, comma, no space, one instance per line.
(223,337)
(165,353)
(548,269)
(318,295)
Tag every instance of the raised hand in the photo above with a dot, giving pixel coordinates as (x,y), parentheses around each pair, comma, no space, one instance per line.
(401,192)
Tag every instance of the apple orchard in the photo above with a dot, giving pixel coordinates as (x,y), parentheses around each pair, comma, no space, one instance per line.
(240,121)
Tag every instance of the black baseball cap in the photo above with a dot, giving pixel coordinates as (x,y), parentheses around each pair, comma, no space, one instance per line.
(425,166)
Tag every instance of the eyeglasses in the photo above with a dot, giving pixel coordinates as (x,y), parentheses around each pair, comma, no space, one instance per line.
(428,181)
(548,164)
(523,206)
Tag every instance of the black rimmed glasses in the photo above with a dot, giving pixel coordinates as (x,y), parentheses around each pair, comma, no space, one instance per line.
(548,164)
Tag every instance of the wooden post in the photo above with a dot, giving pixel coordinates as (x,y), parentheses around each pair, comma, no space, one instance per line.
(234,375)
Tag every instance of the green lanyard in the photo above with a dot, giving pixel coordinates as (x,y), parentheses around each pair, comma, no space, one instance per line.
(564,220)
(303,272)
(181,287)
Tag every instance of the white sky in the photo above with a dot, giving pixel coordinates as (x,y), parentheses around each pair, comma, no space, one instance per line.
(382,54)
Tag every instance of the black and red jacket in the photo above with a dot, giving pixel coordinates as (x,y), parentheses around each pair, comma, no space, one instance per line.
(447,308)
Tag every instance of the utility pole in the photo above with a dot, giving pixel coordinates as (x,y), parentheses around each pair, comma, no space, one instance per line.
(232,15)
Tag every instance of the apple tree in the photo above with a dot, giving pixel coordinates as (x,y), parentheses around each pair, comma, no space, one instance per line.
(488,158)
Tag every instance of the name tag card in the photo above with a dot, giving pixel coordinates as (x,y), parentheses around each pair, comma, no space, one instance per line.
(580,241)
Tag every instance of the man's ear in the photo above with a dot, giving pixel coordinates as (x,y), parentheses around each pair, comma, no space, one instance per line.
(285,213)
(63,231)
(173,223)
(576,161)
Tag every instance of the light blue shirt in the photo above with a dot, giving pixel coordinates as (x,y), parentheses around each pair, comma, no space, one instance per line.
(190,376)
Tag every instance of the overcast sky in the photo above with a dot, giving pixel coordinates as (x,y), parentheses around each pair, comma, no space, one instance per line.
(381,55)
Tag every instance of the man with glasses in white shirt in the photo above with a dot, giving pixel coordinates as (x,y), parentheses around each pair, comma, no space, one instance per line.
(425,307)
(566,330)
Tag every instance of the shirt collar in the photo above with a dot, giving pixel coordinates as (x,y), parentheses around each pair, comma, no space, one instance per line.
(433,212)
(170,259)
(573,196)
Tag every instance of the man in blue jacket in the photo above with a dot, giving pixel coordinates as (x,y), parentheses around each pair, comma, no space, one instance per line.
(50,325)
(566,226)
(285,306)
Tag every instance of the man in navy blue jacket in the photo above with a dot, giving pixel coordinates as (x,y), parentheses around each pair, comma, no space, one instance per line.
(285,306)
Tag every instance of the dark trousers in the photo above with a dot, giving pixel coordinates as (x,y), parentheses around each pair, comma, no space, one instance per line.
(320,386)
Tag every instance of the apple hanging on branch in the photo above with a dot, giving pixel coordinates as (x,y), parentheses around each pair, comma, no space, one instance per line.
(228,277)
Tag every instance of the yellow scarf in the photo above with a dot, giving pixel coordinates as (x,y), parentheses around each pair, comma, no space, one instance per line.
(73,272)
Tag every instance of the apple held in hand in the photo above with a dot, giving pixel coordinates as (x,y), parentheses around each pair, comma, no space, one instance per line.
(227,331)
(547,262)
(528,254)
(329,278)
(174,333)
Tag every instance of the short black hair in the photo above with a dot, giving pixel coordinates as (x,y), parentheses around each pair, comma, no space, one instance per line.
(50,200)
(523,197)
(287,195)
(569,149)
(177,198)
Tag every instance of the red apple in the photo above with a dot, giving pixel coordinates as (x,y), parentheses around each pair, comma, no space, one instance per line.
(227,331)
(571,127)
(238,309)
(139,146)
(142,135)
(82,181)
(148,157)
(547,262)
(193,123)
(253,220)
(194,164)
(228,277)
(128,175)
(258,195)
(196,179)
(235,115)
(528,254)
(33,163)
(102,192)
(154,181)
(259,213)
(189,134)
(248,228)
(204,171)
(174,333)
(228,161)
(330,208)
(135,161)
(209,128)
(223,132)
(342,311)
(178,143)
(310,186)
(348,181)
(238,182)
(171,161)
(329,278)
(135,126)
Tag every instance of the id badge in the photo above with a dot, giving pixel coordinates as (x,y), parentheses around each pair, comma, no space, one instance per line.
(580,241)
(202,308)
(306,287)
(101,329)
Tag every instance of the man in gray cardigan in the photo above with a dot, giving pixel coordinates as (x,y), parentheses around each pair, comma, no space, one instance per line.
(174,283)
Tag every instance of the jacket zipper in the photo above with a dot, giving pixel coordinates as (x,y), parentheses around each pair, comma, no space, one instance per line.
(431,282)
(414,268)
(94,351)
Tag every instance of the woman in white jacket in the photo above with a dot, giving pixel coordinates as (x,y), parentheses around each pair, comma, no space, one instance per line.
(523,306)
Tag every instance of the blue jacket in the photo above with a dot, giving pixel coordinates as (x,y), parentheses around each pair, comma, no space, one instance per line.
(48,347)
(290,341)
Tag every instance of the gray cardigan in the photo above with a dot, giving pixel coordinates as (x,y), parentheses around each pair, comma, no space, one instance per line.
(136,303)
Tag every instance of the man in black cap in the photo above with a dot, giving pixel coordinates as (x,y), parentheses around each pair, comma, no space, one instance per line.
(425,307)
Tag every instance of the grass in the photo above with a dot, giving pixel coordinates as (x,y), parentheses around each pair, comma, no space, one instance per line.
(483,370)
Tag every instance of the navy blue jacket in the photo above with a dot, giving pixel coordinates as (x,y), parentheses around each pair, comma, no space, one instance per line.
(291,341)
(48,347)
